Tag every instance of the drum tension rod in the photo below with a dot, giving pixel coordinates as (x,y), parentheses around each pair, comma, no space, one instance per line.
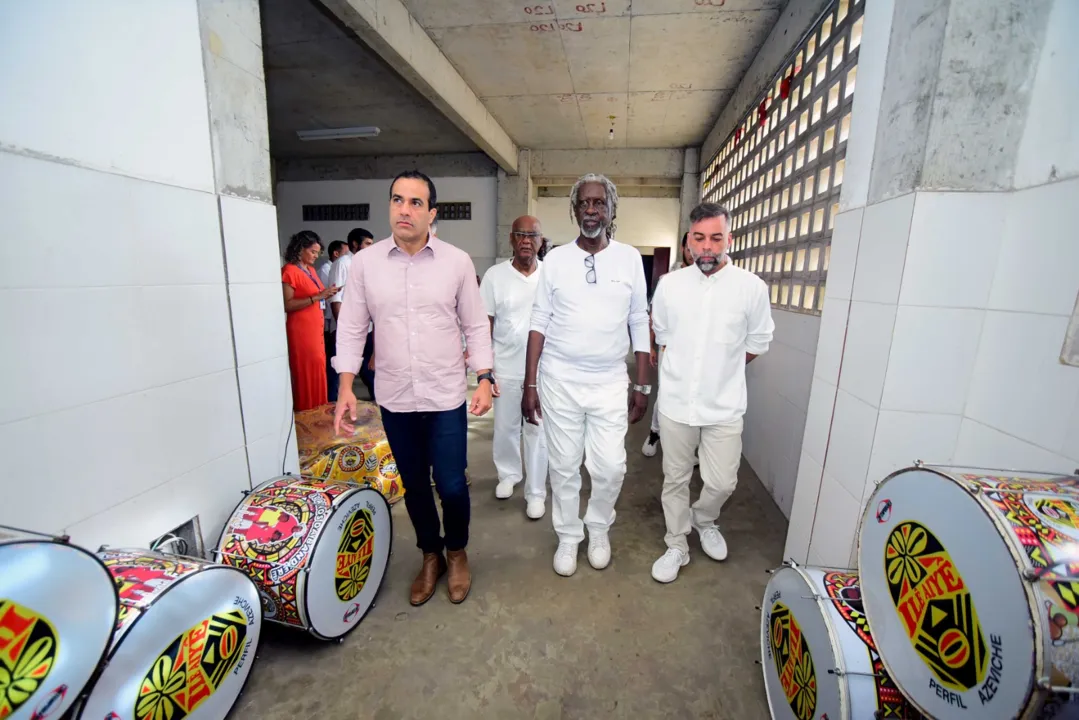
(1045,684)
(843,673)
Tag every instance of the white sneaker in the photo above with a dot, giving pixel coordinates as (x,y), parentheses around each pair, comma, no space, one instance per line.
(504,489)
(651,445)
(666,569)
(535,509)
(565,559)
(599,550)
(712,542)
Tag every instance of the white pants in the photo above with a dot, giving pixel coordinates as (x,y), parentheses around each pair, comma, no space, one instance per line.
(590,421)
(720,454)
(507,443)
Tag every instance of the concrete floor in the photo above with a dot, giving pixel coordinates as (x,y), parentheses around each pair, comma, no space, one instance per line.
(530,644)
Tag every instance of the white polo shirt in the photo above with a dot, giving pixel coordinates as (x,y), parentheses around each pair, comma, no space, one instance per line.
(508,296)
(707,325)
(588,326)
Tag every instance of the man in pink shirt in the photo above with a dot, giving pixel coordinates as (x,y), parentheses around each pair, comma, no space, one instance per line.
(421,294)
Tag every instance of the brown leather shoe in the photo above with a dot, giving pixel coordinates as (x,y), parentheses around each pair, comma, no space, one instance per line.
(423,587)
(460,579)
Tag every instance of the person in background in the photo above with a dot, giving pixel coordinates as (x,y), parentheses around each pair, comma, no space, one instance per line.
(420,292)
(508,290)
(651,443)
(336,250)
(305,297)
(592,300)
(358,239)
(712,318)
(545,247)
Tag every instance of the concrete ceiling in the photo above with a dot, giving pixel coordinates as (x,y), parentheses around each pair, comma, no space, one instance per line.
(553,72)
(319,75)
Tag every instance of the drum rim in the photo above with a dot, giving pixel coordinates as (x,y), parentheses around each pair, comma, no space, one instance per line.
(103,658)
(1030,705)
(112,650)
(378,589)
(837,655)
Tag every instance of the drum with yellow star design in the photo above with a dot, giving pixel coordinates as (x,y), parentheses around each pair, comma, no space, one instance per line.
(185,640)
(970,582)
(316,549)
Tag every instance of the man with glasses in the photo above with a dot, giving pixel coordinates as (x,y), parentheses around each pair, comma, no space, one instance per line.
(508,290)
(592,301)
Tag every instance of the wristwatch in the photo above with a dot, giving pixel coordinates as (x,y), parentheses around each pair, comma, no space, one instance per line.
(486,376)
(643,389)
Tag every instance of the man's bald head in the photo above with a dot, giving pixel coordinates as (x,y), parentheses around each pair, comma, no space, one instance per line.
(525,239)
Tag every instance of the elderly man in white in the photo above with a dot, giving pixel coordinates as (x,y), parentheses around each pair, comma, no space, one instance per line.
(712,318)
(508,290)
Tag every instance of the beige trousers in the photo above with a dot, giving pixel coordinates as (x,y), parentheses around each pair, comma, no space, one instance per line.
(720,455)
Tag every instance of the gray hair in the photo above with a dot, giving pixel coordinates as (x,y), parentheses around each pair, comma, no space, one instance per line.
(707,211)
(609,190)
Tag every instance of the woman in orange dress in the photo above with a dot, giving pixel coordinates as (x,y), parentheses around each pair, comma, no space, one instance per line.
(304,299)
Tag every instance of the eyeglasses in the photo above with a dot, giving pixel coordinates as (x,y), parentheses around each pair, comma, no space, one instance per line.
(590,273)
(533,235)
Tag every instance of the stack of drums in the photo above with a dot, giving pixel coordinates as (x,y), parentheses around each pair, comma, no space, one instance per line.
(316,550)
(968,604)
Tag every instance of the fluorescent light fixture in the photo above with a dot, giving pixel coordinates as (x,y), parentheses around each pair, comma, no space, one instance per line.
(338,133)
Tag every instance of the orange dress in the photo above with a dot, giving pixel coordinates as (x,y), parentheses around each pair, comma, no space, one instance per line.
(306,346)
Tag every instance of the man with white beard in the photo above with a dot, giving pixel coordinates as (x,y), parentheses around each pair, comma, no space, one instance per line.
(711,318)
(591,302)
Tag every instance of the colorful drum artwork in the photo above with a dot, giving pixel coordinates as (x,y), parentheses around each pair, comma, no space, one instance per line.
(185,639)
(50,647)
(363,457)
(317,551)
(971,587)
(818,657)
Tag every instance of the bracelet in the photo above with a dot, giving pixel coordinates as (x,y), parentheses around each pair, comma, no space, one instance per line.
(532,386)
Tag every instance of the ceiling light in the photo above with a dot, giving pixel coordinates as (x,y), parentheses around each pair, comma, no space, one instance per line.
(338,133)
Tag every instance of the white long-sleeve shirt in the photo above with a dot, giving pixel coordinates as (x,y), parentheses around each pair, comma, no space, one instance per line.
(588,326)
(707,325)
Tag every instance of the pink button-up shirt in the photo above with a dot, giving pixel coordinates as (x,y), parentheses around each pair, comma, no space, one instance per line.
(420,305)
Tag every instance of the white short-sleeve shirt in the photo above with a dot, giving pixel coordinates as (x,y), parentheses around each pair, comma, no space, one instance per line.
(508,295)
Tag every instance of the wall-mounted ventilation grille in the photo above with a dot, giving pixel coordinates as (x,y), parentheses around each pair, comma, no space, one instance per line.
(780,171)
(455,211)
(336,213)
(183,540)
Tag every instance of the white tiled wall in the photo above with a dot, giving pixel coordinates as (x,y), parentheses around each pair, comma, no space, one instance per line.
(121,415)
(779,397)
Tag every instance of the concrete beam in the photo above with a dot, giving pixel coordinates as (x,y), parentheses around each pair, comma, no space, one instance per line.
(623,191)
(613,162)
(388,28)
(384,167)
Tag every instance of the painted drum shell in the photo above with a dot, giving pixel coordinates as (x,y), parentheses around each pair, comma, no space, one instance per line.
(276,535)
(846,669)
(187,645)
(62,644)
(943,554)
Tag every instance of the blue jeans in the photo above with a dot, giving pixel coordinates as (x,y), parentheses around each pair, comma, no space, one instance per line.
(421,441)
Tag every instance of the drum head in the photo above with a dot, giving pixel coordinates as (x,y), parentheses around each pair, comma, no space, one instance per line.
(187,655)
(944,599)
(50,645)
(349,563)
(797,651)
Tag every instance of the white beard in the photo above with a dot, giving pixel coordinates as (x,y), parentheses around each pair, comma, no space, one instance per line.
(594,233)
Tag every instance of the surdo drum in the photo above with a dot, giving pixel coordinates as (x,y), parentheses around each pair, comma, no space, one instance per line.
(58,607)
(317,550)
(185,639)
(971,587)
(818,657)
